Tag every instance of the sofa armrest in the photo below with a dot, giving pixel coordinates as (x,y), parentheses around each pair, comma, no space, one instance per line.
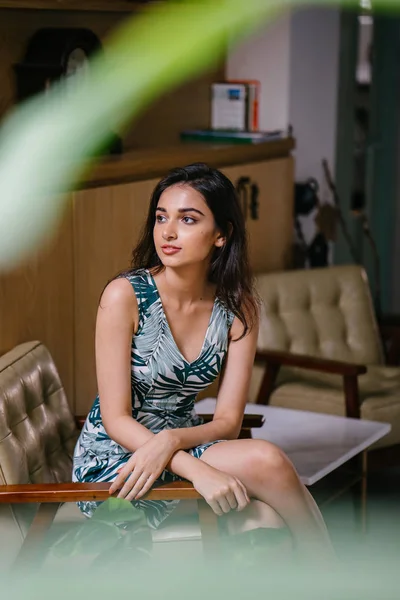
(250,421)
(326,365)
(80,421)
(273,360)
(76,492)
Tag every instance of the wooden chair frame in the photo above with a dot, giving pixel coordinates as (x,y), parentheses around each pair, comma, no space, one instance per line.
(51,496)
(274,360)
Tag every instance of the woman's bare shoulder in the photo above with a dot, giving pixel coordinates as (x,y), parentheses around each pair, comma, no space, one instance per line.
(119,291)
(251,312)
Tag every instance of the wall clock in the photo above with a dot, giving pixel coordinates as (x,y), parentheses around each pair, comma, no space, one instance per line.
(53,54)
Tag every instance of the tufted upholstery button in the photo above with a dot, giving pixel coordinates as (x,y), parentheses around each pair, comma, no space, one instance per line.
(37,429)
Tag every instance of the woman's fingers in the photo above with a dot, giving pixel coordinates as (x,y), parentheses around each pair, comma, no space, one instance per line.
(116,484)
(224,504)
(232,500)
(139,485)
(242,496)
(216,507)
(130,483)
(244,491)
(121,477)
(145,488)
(235,499)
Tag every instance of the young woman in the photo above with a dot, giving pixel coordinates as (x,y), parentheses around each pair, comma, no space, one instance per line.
(184,313)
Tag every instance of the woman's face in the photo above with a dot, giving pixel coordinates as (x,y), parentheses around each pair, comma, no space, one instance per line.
(184,231)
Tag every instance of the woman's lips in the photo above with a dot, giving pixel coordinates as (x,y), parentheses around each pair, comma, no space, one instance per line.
(170,249)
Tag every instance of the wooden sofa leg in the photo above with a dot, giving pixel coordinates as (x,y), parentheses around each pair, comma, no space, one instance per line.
(33,553)
(351,396)
(268,383)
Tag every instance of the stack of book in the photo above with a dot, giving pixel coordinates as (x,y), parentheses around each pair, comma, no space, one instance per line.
(234,115)
(230,136)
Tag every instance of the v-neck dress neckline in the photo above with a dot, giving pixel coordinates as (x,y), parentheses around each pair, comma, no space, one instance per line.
(168,327)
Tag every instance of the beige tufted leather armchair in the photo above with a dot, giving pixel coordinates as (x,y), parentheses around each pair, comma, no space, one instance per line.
(321,349)
(37,439)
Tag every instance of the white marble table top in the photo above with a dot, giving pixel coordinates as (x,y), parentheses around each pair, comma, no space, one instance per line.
(316,443)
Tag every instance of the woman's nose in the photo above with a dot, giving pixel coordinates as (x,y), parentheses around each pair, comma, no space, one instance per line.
(169,232)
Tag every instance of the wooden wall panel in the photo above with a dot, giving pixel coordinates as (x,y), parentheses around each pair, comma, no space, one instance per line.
(107,223)
(36,302)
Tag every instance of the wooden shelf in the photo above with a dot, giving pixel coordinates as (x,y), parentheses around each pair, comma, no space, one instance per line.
(81,5)
(146,164)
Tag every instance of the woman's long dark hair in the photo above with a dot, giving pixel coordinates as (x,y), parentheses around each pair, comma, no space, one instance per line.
(229,267)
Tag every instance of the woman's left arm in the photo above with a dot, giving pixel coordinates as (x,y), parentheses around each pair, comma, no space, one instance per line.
(232,393)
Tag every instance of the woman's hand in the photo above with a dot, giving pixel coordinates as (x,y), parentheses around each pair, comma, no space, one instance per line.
(221,491)
(145,466)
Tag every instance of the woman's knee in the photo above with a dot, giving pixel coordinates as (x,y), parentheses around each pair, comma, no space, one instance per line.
(265,460)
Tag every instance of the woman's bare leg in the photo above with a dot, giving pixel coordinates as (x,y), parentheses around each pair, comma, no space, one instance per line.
(270,477)
(271,548)
(256,514)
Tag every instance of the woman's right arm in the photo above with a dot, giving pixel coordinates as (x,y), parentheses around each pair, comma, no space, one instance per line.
(117,321)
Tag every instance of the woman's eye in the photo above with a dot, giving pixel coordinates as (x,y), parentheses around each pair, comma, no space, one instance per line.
(188,220)
(160,218)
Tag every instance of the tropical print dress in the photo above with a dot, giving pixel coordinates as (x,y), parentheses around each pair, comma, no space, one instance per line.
(164,389)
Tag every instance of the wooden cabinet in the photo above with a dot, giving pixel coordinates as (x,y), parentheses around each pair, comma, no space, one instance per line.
(270,235)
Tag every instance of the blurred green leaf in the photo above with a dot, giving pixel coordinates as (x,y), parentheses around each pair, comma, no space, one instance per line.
(115,525)
(119,510)
(45,144)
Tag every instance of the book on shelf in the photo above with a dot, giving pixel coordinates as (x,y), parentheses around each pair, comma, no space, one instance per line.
(229,106)
(235,105)
(231,136)
(253,101)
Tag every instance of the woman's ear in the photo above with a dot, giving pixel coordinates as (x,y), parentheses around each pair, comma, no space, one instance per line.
(222,239)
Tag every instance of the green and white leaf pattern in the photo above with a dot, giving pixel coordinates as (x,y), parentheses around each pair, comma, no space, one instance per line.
(164,389)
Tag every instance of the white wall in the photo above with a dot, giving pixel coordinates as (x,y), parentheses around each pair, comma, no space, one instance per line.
(266,56)
(314,73)
(296,59)
(314,83)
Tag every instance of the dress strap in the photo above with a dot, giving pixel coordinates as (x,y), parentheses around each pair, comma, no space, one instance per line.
(143,287)
(229,316)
